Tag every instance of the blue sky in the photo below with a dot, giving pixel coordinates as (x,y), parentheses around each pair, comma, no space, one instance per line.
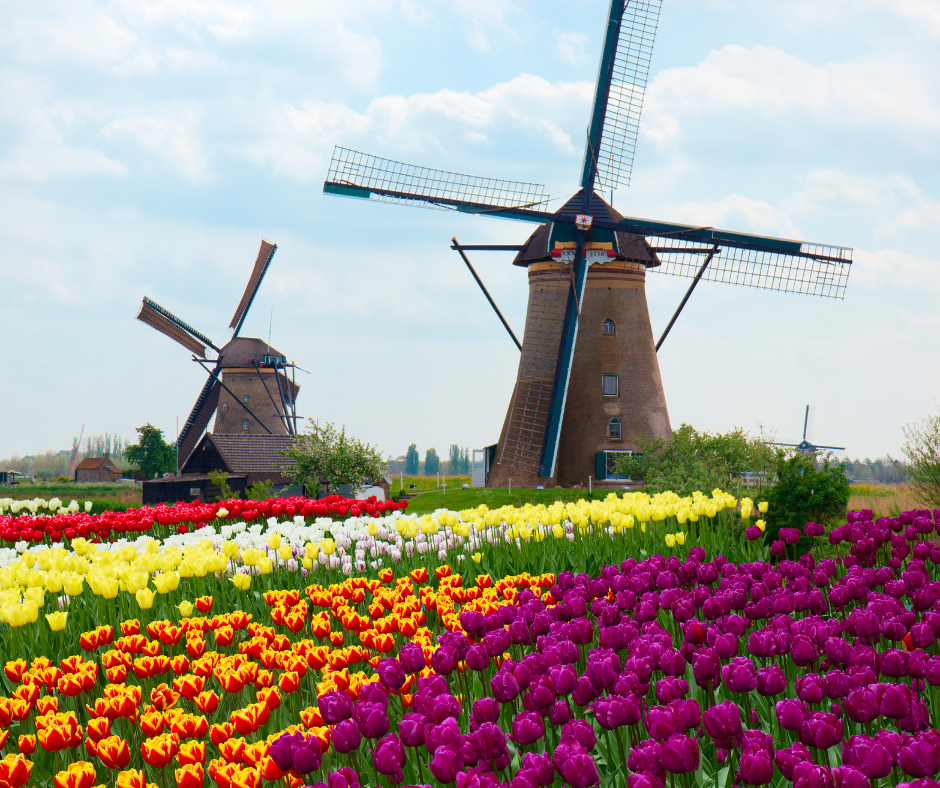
(147,146)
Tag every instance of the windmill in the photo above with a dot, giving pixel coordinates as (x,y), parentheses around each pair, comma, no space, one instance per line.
(247,386)
(588,383)
(806,446)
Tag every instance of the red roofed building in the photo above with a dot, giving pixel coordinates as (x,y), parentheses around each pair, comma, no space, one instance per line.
(97,469)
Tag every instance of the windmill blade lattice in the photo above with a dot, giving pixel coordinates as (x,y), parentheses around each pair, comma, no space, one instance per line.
(356,174)
(825,276)
(265,254)
(615,150)
(199,416)
(169,324)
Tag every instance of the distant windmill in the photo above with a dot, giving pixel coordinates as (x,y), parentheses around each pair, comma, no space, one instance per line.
(247,384)
(588,381)
(806,446)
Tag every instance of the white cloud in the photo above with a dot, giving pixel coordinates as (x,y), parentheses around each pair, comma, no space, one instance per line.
(743,213)
(415,12)
(422,121)
(572,47)
(773,85)
(486,17)
(172,140)
(892,269)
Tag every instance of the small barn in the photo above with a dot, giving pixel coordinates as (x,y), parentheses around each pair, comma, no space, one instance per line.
(98,469)
(248,459)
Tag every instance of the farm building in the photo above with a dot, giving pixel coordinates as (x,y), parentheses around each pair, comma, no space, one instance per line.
(97,469)
(248,459)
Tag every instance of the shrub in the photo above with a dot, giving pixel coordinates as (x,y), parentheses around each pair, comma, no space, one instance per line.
(804,493)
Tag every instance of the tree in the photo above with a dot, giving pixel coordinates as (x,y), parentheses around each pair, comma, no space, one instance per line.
(412,458)
(922,449)
(465,460)
(151,454)
(693,460)
(325,454)
(805,493)
(432,463)
(453,463)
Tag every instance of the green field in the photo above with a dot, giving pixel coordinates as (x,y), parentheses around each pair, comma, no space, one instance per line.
(116,497)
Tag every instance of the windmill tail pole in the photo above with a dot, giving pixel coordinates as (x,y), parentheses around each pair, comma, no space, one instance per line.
(688,294)
(459,249)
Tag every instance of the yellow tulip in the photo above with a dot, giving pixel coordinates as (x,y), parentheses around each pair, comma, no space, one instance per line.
(477,557)
(670,540)
(328,547)
(145,598)
(285,552)
(185,608)
(265,566)
(274,541)
(307,563)
(241,581)
(762,525)
(72,583)
(558,531)
(186,569)
(56,621)
(762,507)
(680,538)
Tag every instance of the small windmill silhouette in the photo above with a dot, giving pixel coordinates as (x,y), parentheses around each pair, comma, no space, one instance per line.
(806,446)
(589,360)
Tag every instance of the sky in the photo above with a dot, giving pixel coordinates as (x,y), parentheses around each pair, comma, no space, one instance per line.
(146,146)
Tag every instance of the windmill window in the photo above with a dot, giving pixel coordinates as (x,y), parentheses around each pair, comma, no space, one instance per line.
(610,385)
(246,399)
(609,327)
(244,424)
(615,429)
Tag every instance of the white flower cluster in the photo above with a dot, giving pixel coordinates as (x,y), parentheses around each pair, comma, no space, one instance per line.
(33,507)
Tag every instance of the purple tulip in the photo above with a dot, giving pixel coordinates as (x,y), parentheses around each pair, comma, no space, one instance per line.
(723,723)
(345,737)
(335,707)
(446,732)
(444,661)
(295,752)
(867,754)
(412,658)
(391,674)
(372,719)
(680,754)
(896,701)
(850,777)
(740,675)
(771,681)
(579,770)
(527,728)
(579,732)
(920,755)
(489,741)
(791,714)
(861,705)
(446,764)
(756,767)
(788,759)
(411,730)
(541,765)
(822,730)
(504,686)
(388,757)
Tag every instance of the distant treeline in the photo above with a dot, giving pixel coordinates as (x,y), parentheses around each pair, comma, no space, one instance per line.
(881,471)
(54,464)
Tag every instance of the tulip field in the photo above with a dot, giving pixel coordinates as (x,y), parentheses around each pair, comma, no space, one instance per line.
(636,642)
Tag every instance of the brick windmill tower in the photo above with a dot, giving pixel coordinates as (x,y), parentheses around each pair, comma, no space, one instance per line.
(248,388)
(588,383)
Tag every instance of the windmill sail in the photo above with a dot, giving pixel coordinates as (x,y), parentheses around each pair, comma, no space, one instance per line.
(265,253)
(199,416)
(356,174)
(169,324)
(621,85)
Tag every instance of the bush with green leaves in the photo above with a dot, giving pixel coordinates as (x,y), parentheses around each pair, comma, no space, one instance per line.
(806,491)
(324,454)
(693,460)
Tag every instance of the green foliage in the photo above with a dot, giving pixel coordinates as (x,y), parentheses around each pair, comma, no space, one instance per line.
(884,470)
(432,463)
(325,454)
(805,493)
(693,460)
(151,454)
(922,449)
(260,491)
(459,460)
(412,459)
(220,480)
(62,479)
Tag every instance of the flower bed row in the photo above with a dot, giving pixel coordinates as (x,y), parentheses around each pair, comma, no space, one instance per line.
(817,672)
